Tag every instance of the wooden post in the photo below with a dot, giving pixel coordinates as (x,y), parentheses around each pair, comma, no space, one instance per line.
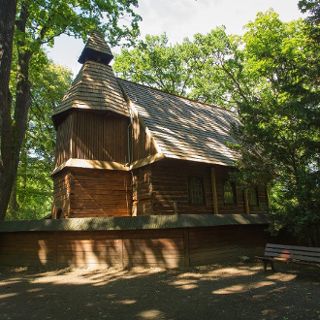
(246,201)
(214,191)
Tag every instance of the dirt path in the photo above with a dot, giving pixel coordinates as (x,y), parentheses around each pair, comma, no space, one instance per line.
(242,292)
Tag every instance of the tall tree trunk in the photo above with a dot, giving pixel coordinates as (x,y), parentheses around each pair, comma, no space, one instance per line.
(13,130)
(13,204)
(7,21)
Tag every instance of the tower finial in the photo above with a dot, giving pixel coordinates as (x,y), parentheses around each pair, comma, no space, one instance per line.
(96,49)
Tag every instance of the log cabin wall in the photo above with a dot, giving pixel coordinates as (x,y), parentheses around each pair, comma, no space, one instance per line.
(142,191)
(163,188)
(61,194)
(93,193)
(222,174)
(170,194)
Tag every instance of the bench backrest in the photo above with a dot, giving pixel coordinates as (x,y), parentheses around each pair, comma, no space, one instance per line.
(284,252)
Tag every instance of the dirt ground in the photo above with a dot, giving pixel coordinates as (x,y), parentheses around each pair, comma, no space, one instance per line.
(215,292)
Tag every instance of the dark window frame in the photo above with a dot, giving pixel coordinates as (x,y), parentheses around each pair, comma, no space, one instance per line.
(253,191)
(234,193)
(192,184)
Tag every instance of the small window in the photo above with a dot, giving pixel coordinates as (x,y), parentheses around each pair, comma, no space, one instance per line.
(196,190)
(229,193)
(253,197)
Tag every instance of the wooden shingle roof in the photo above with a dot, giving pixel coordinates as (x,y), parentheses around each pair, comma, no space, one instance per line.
(96,49)
(96,88)
(184,129)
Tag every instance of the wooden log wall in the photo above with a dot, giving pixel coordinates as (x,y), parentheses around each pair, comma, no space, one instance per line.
(167,248)
(93,193)
(222,174)
(162,188)
(93,136)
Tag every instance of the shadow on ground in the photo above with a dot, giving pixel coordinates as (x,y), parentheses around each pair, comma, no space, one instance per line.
(238,292)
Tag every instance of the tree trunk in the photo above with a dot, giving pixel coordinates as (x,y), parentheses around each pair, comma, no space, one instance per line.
(7,20)
(13,130)
(13,204)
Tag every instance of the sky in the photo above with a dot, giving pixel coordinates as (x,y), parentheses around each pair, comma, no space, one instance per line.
(181,19)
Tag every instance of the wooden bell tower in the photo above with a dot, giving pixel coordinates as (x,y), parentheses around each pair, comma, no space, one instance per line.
(91,176)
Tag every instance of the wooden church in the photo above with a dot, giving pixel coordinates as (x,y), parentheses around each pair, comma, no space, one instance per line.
(125,149)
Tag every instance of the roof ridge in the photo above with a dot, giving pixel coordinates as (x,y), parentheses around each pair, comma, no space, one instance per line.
(177,95)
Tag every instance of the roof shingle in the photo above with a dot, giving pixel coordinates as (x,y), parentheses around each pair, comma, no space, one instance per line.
(182,128)
(96,88)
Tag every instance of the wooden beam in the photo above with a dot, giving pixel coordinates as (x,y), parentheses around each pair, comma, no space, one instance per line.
(91,164)
(108,165)
(246,201)
(214,191)
(147,160)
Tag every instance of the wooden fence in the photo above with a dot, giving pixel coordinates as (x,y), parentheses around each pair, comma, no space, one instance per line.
(168,248)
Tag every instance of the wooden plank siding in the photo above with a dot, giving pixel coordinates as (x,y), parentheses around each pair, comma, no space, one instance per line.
(166,248)
(94,136)
(93,193)
(63,141)
(162,188)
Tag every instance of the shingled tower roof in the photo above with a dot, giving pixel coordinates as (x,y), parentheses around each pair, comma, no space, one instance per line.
(95,87)
(96,49)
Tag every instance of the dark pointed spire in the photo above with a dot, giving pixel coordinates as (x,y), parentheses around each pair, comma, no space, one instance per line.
(96,49)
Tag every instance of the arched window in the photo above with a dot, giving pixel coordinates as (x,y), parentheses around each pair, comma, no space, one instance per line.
(229,193)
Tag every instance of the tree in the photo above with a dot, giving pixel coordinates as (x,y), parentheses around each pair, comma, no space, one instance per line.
(312,7)
(156,63)
(279,138)
(32,193)
(35,24)
(190,68)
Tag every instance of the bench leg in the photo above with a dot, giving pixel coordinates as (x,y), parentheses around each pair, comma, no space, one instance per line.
(265,264)
(272,266)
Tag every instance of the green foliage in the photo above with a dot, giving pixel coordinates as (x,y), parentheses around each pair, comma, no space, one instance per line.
(190,68)
(32,194)
(280,132)
(155,62)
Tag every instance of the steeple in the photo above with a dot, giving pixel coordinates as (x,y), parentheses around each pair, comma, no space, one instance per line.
(96,49)
(95,87)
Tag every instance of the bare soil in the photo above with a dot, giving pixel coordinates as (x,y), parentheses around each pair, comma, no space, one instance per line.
(215,292)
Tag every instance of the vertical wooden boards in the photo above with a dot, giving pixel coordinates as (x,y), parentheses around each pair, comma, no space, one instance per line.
(166,248)
(63,141)
(92,135)
(100,136)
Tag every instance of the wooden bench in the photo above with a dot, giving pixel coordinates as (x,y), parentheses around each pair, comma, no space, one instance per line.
(289,254)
